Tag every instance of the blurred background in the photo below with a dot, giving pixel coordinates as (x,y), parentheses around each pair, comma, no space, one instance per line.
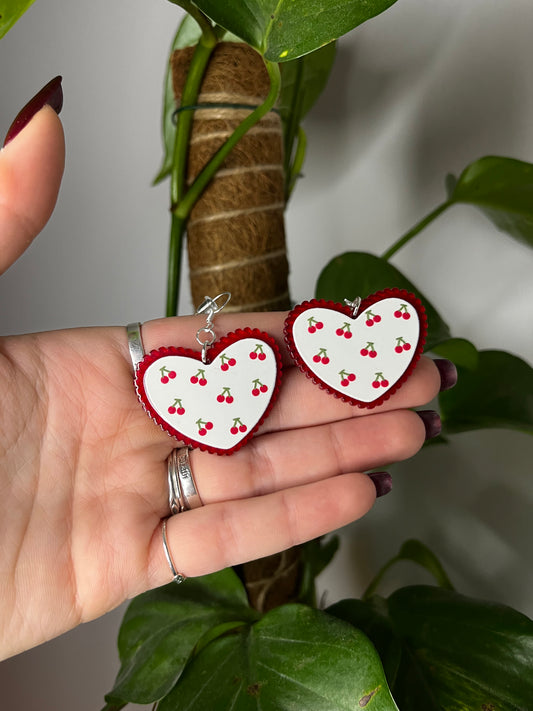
(416,93)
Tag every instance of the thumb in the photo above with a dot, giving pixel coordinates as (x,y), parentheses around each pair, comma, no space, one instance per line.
(31,168)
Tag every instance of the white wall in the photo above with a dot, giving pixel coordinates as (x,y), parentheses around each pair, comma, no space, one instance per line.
(418,92)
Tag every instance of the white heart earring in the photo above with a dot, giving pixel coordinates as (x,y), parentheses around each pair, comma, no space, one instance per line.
(214,399)
(361,351)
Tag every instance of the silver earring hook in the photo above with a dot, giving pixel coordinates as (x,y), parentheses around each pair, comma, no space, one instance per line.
(354,305)
(210,307)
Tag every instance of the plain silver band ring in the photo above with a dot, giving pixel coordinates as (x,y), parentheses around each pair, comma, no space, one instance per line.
(191,497)
(176,577)
(135,343)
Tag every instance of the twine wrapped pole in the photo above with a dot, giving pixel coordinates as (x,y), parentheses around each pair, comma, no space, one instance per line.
(236,231)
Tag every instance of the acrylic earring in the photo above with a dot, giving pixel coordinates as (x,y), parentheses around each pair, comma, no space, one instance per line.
(214,399)
(361,351)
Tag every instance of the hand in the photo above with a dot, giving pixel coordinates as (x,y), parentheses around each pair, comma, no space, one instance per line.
(83,471)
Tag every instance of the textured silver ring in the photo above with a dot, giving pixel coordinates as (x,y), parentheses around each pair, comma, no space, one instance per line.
(176,577)
(176,501)
(191,497)
(135,343)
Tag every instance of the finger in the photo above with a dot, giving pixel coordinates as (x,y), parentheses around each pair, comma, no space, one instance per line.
(282,460)
(31,167)
(214,537)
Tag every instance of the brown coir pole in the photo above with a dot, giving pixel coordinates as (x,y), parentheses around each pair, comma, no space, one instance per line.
(236,232)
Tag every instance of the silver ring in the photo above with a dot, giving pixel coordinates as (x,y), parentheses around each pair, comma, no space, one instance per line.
(135,343)
(176,577)
(175,496)
(191,497)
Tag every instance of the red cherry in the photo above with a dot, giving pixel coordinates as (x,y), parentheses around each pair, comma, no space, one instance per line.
(194,379)
(262,356)
(264,388)
(377,318)
(339,332)
(202,432)
(203,382)
(311,329)
(255,392)
(232,362)
(171,410)
(348,334)
(398,314)
(164,380)
(364,352)
(243,428)
(209,425)
(229,399)
(253,355)
(384,383)
(407,346)
(406,316)
(325,360)
(180,410)
(220,398)
(370,322)
(224,367)
(345,383)
(351,377)
(399,349)
(172,374)
(234,430)
(375,384)
(316,359)
(319,325)
(373,354)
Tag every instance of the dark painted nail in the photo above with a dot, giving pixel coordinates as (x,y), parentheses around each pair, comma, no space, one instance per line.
(50,95)
(382,482)
(448,373)
(431,421)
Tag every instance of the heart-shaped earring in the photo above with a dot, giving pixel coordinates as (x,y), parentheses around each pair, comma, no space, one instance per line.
(214,399)
(361,351)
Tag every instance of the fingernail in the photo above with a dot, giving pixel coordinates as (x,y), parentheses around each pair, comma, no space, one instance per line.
(382,481)
(431,421)
(448,373)
(50,95)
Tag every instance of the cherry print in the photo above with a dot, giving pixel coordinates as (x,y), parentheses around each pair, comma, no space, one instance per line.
(377,318)
(202,432)
(166,375)
(256,392)
(172,410)
(203,426)
(317,358)
(226,363)
(238,426)
(225,396)
(369,350)
(402,345)
(209,425)
(321,356)
(346,378)
(384,383)
(264,388)
(344,330)
(406,316)
(407,346)
(194,379)
(371,318)
(221,398)
(199,378)
(258,352)
(402,312)
(314,325)
(180,411)
(380,381)
(258,388)
(176,407)
(229,399)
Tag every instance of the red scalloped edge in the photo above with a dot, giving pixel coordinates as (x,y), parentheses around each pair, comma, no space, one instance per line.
(213,352)
(347,311)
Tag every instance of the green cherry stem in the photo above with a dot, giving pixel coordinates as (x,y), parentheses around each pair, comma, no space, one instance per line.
(408,236)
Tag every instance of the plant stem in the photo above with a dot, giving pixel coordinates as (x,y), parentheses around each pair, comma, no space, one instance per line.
(183,209)
(178,177)
(297,164)
(408,236)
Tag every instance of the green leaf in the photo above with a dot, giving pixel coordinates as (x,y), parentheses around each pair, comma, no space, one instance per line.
(503,190)
(294,658)
(460,351)
(444,651)
(162,628)
(498,393)
(360,274)
(286,29)
(10,12)
(415,552)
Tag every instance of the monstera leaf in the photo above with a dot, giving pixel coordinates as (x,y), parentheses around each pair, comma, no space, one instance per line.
(10,12)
